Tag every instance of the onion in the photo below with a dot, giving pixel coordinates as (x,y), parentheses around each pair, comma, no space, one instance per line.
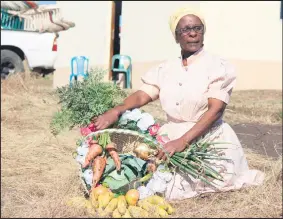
(143,151)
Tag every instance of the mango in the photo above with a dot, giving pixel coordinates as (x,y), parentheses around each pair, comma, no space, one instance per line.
(122,204)
(127,214)
(111,206)
(104,199)
(116,214)
(138,212)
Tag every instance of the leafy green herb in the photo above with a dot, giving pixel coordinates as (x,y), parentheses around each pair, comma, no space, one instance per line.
(84,100)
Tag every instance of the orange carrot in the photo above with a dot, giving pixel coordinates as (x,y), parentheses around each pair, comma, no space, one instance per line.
(94,151)
(112,150)
(98,167)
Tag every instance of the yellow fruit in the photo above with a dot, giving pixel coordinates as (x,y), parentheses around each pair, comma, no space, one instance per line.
(138,212)
(150,208)
(122,204)
(170,209)
(111,206)
(132,196)
(88,204)
(127,214)
(146,205)
(162,212)
(116,214)
(98,191)
(104,199)
(157,200)
(94,203)
(100,212)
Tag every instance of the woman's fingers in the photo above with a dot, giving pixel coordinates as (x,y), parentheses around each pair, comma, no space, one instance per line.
(93,120)
(164,157)
(160,154)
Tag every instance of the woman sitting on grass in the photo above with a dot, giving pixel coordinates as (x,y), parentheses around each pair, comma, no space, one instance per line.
(194,90)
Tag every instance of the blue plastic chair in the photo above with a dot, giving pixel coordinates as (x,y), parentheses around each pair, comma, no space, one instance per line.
(81,70)
(121,68)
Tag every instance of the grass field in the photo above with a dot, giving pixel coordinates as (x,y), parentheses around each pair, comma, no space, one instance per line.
(38,173)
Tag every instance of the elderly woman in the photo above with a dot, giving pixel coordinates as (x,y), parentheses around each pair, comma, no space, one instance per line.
(194,90)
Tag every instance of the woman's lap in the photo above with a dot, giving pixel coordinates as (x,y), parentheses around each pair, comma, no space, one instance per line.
(236,174)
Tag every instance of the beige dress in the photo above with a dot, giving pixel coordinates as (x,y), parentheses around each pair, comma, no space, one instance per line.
(183,93)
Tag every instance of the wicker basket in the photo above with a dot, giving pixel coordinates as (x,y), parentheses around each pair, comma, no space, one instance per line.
(126,140)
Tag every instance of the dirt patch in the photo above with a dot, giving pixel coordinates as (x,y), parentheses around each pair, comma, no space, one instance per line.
(262,138)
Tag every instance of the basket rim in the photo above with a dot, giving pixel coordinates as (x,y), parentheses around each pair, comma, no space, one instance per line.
(114,131)
(123,131)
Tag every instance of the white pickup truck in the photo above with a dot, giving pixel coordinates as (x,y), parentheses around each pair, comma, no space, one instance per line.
(39,49)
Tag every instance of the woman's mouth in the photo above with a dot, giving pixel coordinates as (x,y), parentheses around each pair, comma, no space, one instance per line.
(193,43)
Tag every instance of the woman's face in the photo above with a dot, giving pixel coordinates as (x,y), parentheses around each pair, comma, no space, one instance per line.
(189,33)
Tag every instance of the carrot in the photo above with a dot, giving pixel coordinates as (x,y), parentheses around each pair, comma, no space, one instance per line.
(98,167)
(112,150)
(94,151)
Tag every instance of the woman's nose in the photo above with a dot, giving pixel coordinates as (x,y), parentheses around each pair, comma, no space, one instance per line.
(193,33)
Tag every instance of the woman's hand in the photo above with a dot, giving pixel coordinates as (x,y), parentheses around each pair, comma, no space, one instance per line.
(135,100)
(172,147)
(106,119)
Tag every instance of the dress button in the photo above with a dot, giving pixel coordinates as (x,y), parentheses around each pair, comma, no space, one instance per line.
(177,104)
(180,84)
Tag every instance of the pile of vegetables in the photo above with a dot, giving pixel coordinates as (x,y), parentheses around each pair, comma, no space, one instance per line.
(107,203)
(123,184)
(84,100)
(97,154)
(194,160)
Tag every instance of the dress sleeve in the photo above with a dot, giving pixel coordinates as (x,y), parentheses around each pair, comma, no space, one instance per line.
(222,81)
(151,82)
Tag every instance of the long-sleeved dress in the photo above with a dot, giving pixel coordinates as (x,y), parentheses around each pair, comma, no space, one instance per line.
(183,92)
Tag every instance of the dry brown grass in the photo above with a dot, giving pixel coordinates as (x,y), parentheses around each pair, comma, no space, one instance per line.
(38,173)
(259,106)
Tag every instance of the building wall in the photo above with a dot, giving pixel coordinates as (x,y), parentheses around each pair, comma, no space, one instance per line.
(90,37)
(249,34)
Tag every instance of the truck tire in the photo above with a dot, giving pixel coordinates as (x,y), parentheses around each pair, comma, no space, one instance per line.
(11,63)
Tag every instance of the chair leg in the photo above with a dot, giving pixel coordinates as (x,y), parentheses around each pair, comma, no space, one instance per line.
(128,77)
(113,78)
(71,77)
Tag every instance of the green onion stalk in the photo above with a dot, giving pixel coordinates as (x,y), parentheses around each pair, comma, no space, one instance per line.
(193,161)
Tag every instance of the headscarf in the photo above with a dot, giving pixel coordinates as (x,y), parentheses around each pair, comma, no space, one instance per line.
(181,12)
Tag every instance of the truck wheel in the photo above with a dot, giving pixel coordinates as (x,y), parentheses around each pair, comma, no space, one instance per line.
(11,63)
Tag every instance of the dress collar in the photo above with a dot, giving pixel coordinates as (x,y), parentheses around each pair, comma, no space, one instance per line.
(193,57)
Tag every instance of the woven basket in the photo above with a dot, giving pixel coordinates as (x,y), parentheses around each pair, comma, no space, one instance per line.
(126,140)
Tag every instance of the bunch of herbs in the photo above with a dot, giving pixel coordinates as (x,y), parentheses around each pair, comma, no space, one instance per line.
(84,100)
